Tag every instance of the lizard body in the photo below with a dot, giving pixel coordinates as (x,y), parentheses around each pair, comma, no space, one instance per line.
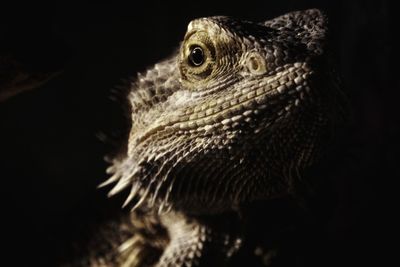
(232,118)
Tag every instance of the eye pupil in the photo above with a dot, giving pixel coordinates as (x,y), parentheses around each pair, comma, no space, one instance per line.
(196,56)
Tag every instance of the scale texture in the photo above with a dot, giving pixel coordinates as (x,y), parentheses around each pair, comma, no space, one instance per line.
(234,117)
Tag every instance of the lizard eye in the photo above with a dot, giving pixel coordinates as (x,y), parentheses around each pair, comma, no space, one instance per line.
(196,56)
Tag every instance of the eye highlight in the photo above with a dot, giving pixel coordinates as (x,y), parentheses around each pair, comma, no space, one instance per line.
(196,56)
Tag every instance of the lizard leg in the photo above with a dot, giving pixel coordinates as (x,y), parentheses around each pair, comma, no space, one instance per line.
(193,242)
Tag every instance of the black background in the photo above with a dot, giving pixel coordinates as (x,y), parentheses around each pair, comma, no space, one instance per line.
(51,159)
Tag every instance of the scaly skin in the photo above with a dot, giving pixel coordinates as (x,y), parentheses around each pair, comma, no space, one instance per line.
(232,118)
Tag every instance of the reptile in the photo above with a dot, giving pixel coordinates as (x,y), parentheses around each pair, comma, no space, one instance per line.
(232,118)
(226,125)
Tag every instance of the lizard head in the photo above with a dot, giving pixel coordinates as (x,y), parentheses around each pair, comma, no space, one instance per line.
(230,117)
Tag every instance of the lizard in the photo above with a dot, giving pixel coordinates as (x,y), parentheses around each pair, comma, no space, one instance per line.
(232,118)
